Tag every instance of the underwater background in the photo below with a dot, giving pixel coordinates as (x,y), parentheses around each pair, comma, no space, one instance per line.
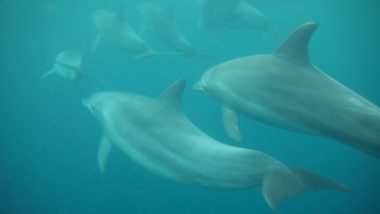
(49,141)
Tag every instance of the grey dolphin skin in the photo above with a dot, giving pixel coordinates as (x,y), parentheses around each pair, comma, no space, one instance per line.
(114,27)
(218,14)
(162,23)
(157,135)
(269,3)
(67,64)
(286,90)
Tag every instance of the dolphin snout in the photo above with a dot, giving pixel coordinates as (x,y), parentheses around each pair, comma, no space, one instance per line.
(87,103)
(199,86)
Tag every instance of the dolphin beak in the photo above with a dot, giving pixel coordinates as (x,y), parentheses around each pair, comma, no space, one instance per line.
(87,104)
(198,86)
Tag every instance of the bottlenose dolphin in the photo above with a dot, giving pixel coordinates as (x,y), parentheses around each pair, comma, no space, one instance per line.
(286,90)
(269,3)
(115,28)
(218,14)
(157,135)
(68,65)
(162,23)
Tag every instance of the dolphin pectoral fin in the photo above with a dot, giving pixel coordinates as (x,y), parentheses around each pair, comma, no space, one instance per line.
(281,183)
(230,121)
(146,54)
(48,73)
(96,42)
(103,153)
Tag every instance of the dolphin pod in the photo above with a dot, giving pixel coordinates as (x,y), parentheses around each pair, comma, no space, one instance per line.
(142,128)
(283,89)
(286,90)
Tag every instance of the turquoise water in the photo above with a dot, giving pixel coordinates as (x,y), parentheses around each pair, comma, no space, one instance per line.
(49,141)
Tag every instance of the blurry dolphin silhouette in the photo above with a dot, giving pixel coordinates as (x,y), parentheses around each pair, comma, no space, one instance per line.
(269,3)
(68,65)
(115,28)
(162,23)
(286,90)
(157,135)
(218,14)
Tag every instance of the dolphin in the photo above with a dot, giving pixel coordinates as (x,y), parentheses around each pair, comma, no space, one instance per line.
(113,26)
(68,65)
(269,3)
(218,14)
(162,23)
(286,90)
(156,134)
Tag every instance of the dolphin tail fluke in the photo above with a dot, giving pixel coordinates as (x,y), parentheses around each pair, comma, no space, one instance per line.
(281,184)
(48,73)
(103,153)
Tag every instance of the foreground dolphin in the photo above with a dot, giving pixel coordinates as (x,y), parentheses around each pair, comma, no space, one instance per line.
(286,90)
(156,134)
(218,14)
(68,65)
(115,28)
(161,21)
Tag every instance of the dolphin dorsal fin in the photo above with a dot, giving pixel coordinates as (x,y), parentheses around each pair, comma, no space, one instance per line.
(295,46)
(172,96)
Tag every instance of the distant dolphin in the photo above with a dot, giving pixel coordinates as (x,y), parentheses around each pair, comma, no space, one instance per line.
(161,21)
(115,28)
(286,90)
(218,14)
(249,17)
(156,134)
(269,3)
(68,65)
